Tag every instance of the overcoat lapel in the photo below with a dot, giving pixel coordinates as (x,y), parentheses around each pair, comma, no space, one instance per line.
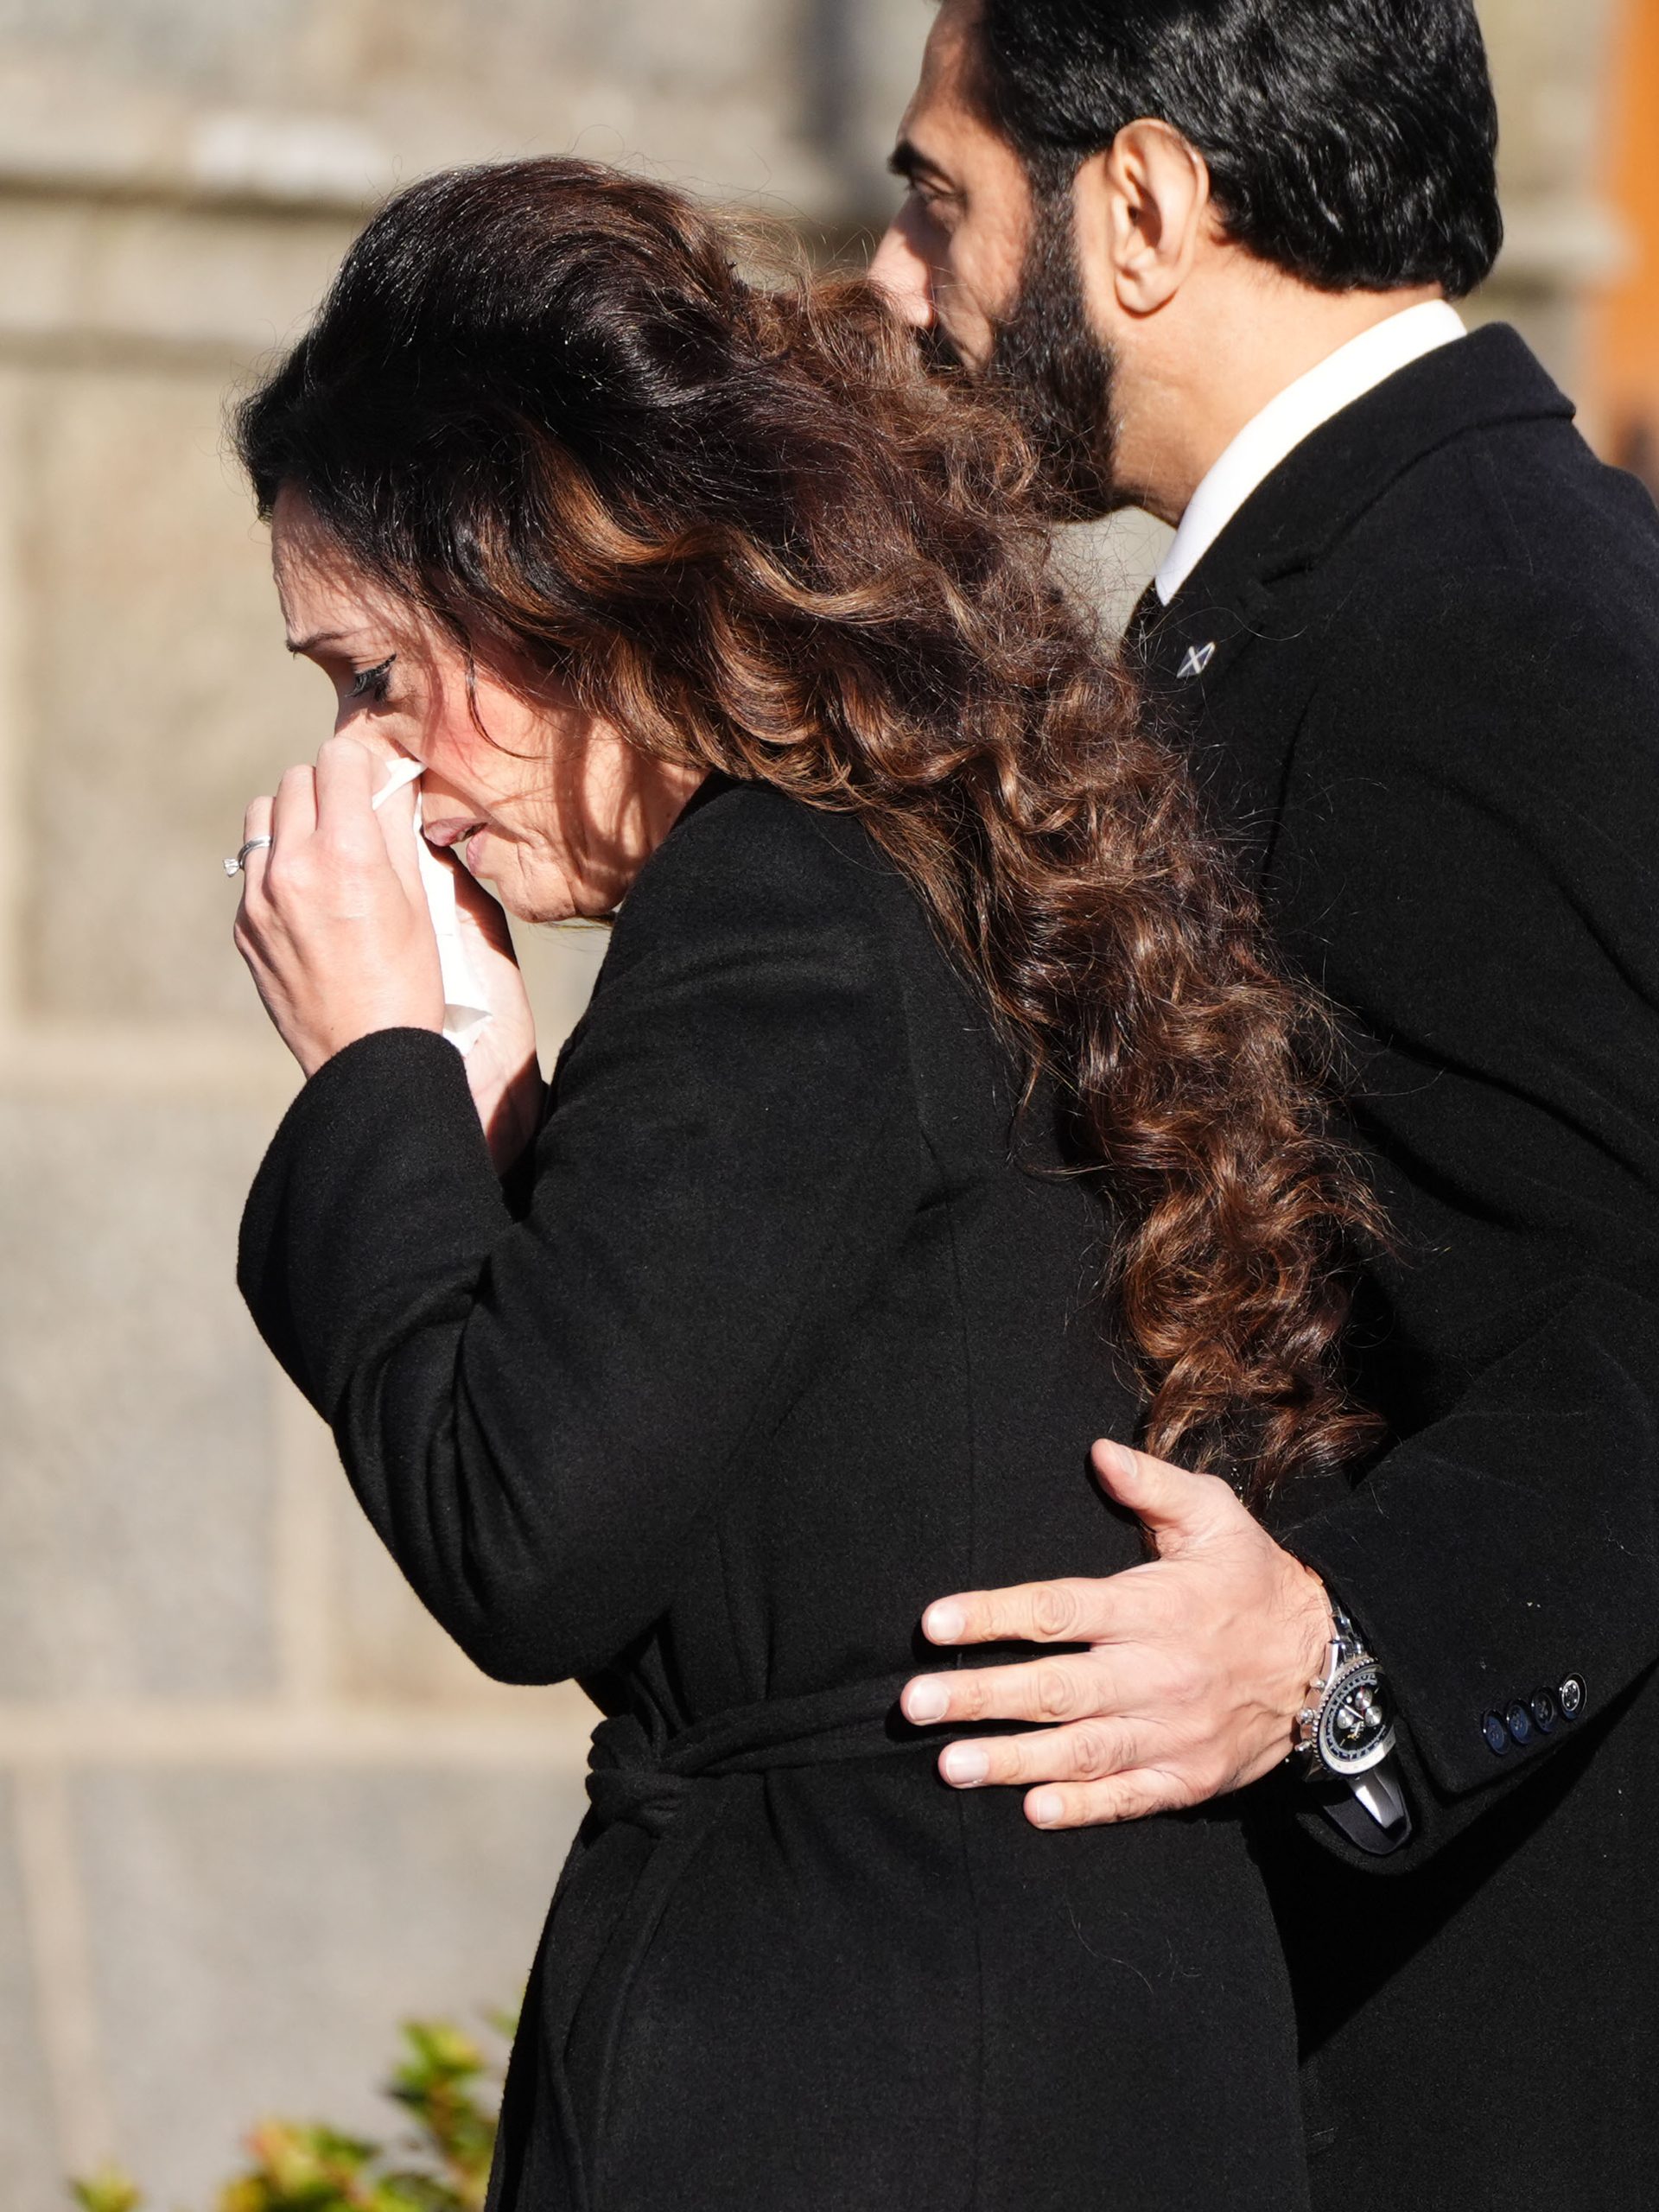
(1234,658)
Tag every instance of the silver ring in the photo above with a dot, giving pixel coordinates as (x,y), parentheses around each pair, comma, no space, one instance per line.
(236,867)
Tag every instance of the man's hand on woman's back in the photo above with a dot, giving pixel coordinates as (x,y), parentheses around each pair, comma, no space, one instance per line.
(1194,1668)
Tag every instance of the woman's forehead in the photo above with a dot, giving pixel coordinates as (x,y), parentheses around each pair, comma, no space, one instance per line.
(321,590)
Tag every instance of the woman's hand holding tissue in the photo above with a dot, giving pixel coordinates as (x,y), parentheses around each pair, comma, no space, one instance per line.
(335,927)
(334,923)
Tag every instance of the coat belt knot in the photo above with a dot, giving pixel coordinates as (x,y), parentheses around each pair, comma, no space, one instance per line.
(645,1776)
(627,1781)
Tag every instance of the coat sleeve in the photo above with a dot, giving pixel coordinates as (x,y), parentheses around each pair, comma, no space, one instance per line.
(539,1415)
(1480,877)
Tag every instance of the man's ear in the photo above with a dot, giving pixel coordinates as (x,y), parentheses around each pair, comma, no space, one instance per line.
(1143,209)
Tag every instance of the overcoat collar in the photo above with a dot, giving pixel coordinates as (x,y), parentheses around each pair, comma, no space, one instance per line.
(1317,494)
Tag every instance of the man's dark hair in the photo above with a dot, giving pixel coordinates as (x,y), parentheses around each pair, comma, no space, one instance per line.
(1352,142)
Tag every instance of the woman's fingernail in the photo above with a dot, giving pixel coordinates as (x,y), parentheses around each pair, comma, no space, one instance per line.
(964,1765)
(926,1700)
(944,1623)
(1046,1808)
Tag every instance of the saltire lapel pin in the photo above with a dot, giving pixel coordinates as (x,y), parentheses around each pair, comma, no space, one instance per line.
(1199,658)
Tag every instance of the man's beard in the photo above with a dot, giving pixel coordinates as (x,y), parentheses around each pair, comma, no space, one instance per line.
(1054,375)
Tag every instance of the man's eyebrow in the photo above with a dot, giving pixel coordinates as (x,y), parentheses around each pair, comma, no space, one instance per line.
(908,161)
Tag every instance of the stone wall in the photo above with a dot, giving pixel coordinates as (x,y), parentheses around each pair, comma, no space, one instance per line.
(256,1809)
(253,1808)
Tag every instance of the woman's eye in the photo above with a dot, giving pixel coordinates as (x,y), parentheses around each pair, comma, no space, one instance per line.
(372,683)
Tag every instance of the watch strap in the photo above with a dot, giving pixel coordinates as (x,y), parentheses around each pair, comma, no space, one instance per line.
(1368,1809)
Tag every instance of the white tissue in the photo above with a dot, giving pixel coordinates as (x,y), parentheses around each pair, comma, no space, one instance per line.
(466,1009)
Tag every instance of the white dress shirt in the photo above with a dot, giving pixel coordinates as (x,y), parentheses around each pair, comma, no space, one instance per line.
(1341,378)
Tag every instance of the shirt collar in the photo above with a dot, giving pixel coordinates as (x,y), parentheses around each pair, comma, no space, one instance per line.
(1299,410)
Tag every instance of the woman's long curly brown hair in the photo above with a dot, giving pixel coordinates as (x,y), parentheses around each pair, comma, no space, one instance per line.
(747,526)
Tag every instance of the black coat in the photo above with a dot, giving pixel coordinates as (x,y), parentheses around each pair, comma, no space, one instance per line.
(784,1344)
(1432,715)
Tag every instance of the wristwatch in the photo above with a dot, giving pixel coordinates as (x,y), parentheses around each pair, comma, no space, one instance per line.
(1345,1738)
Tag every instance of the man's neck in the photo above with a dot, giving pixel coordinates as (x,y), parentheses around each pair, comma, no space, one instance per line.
(1260,335)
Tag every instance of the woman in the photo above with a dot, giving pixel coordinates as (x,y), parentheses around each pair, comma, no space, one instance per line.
(929,1012)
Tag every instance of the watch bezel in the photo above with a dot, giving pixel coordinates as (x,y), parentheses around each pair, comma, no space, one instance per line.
(1360,1671)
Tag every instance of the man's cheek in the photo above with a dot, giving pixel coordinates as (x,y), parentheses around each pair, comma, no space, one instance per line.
(966,328)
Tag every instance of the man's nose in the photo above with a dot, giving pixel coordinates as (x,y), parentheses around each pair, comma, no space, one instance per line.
(904,275)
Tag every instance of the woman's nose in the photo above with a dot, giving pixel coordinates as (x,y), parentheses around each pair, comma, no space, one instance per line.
(440,797)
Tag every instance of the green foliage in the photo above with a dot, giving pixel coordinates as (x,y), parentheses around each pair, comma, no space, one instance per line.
(107,2192)
(445,2086)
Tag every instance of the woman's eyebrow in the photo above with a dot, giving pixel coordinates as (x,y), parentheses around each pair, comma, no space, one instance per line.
(318,637)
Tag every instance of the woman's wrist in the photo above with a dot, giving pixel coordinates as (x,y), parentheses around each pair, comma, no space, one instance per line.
(511,1122)
(315,1049)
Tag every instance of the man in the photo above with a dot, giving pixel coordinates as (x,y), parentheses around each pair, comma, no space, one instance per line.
(1411,629)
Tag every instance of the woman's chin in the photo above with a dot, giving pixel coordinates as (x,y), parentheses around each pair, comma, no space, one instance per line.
(524,892)
(540,904)
(538,895)
(525,904)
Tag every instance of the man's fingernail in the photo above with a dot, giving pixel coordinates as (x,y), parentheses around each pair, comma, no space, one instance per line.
(1113,1459)
(944,1623)
(965,1764)
(1046,1808)
(926,1700)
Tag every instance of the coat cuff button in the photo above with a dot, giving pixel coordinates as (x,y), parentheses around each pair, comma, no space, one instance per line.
(1496,1735)
(1570,1697)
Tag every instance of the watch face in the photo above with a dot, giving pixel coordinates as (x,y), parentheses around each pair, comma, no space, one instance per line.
(1357,1724)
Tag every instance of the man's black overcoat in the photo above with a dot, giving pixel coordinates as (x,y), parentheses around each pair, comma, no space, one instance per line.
(1432,711)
